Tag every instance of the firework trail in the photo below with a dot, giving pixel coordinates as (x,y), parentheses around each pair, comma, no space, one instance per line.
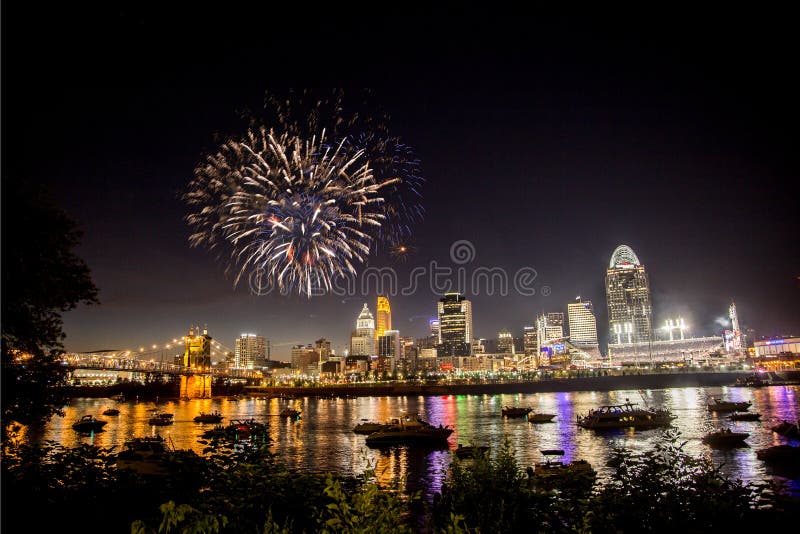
(301,211)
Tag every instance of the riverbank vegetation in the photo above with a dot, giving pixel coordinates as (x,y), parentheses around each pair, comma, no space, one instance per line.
(247,489)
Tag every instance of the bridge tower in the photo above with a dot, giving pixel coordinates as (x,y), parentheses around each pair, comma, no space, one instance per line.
(197,357)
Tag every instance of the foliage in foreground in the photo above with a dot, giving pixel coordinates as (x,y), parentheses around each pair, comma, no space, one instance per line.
(249,490)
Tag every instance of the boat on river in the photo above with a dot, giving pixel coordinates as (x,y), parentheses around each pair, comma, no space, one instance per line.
(541,417)
(786,429)
(88,423)
(555,474)
(239,430)
(110,411)
(786,455)
(725,438)
(410,428)
(368,427)
(515,411)
(291,413)
(626,415)
(717,405)
(472,451)
(146,455)
(161,419)
(213,417)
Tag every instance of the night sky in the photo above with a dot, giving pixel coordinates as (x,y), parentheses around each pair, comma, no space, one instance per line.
(546,142)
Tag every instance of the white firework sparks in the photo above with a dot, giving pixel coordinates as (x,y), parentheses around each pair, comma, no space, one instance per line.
(294,210)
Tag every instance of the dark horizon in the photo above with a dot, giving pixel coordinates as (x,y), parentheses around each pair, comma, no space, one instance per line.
(546,142)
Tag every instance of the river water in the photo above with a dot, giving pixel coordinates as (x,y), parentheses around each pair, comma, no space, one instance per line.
(322,439)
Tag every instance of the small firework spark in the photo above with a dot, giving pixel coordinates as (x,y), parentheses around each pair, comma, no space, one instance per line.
(300,211)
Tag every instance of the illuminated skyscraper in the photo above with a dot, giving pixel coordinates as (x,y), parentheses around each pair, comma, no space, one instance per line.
(455,325)
(554,329)
(582,323)
(383,317)
(628,297)
(505,342)
(362,342)
(250,352)
(434,325)
(530,340)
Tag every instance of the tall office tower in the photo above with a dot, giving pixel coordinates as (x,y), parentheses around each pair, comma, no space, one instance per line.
(383,317)
(582,323)
(628,297)
(434,325)
(389,344)
(304,356)
(323,347)
(455,325)
(530,341)
(505,342)
(555,325)
(362,342)
(250,352)
(477,346)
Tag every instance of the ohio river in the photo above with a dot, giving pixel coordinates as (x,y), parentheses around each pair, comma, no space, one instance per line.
(323,440)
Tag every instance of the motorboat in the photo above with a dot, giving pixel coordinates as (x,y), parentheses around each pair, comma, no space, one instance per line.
(119,397)
(744,416)
(88,423)
(290,413)
(213,417)
(515,411)
(753,381)
(161,419)
(464,453)
(410,428)
(239,430)
(780,454)
(541,417)
(111,411)
(725,438)
(626,415)
(717,405)
(368,427)
(786,429)
(555,474)
(145,455)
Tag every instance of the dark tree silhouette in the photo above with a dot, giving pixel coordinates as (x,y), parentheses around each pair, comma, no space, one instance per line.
(41,278)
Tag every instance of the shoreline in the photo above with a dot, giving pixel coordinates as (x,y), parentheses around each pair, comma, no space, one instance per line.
(588,383)
(595,383)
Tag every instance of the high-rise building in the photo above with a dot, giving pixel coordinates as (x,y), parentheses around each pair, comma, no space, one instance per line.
(362,341)
(304,356)
(323,348)
(628,297)
(582,323)
(555,326)
(250,352)
(434,325)
(455,325)
(505,342)
(389,344)
(530,343)
(383,317)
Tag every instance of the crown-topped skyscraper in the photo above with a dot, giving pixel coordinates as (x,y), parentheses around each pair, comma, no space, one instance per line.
(628,296)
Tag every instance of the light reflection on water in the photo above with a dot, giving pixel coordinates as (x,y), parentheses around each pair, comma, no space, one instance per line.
(322,439)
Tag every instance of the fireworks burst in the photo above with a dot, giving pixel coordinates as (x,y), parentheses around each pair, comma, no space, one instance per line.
(353,125)
(299,211)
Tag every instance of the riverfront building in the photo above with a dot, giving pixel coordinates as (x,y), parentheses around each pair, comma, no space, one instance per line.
(455,325)
(628,298)
(250,352)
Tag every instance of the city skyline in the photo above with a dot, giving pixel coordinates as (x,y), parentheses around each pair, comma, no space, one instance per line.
(552,142)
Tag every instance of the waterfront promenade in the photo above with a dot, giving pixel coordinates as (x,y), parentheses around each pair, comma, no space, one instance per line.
(464,387)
